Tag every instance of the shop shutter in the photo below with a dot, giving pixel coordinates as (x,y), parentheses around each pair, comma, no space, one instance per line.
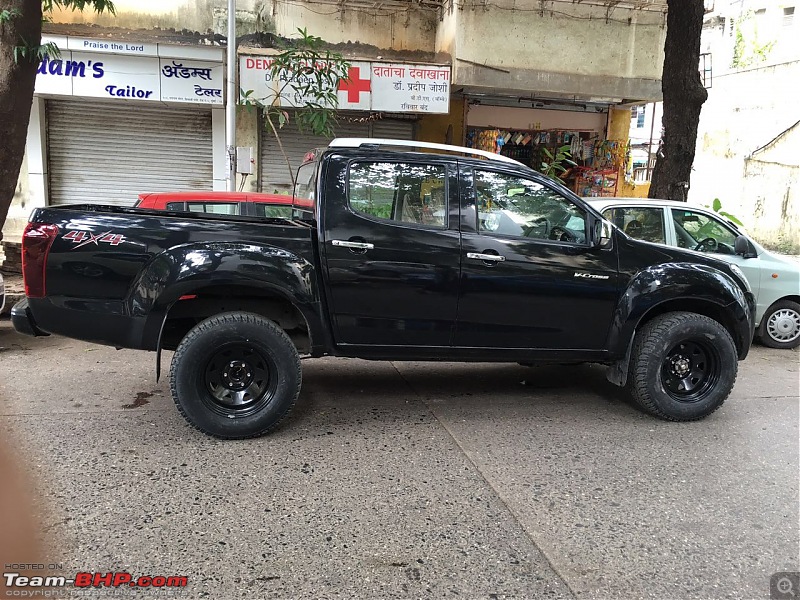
(109,154)
(393,129)
(274,171)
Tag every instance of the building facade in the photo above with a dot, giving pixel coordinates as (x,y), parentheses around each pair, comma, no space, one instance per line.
(136,101)
(747,137)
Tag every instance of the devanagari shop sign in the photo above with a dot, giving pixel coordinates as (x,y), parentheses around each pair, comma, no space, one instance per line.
(387,87)
(99,73)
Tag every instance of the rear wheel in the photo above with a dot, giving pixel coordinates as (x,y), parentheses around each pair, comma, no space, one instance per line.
(235,375)
(780,326)
(683,366)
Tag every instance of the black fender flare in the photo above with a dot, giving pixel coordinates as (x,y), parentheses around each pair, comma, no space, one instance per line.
(188,268)
(675,286)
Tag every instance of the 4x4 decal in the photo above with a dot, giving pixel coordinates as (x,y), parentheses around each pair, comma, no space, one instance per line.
(83,238)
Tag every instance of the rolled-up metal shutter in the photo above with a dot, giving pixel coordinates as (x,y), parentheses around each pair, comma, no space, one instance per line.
(109,154)
(274,171)
(393,129)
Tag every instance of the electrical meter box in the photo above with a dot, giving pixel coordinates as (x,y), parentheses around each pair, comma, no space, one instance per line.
(244,160)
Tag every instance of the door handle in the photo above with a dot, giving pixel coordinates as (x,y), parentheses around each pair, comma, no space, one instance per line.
(486,257)
(357,245)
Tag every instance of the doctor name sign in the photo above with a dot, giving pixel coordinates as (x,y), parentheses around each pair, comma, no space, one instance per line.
(389,87)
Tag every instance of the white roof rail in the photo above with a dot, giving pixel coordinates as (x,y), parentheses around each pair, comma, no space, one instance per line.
(358,142)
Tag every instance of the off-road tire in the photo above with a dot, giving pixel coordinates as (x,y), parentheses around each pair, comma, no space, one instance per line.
(224,360)
(664,348)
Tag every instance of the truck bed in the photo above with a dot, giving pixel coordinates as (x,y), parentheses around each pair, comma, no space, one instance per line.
(115,263)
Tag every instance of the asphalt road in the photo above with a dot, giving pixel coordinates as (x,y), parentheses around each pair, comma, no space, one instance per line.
(410,480)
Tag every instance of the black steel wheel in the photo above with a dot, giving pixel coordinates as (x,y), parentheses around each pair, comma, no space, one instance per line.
(683,366)
(690,370)
(240,379)
(235,375)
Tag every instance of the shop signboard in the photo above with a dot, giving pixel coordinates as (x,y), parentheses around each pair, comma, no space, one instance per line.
(113,47)
(109,72)
(410,88)
(191,81)
(119,77)
(378,86)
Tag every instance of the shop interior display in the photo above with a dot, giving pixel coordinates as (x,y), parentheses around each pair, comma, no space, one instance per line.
(599,162)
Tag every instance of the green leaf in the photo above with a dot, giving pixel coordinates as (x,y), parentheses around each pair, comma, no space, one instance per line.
(8,15)
(730,217)
(716,205)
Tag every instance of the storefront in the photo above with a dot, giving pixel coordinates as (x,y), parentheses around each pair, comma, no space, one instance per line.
(534,137)
(274,173)
(381,100)
(117,119)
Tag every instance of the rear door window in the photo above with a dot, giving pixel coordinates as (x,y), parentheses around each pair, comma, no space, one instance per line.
(642,223)
(402,192)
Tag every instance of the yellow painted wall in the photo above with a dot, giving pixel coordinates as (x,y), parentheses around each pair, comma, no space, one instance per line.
(433,128)
(633,190)
(619,124)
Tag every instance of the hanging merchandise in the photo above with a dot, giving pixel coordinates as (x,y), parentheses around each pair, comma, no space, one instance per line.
(487,140)
(575,147)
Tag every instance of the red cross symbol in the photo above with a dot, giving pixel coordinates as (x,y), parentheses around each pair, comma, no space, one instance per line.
(353,85)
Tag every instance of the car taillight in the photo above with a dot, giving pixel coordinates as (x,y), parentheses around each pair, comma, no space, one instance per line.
(36,242)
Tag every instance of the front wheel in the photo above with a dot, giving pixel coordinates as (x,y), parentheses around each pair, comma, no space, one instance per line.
(780,326)
(235,375)
(683,366)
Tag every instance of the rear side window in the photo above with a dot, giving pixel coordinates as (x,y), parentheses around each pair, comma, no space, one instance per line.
(217,208)
(404,192)
(176,206)
(271,211)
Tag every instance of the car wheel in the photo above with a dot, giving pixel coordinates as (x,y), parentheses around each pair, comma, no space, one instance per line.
(683,366)
(780,326)
(235,375)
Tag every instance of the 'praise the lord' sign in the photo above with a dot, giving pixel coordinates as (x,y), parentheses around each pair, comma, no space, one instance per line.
(118,70)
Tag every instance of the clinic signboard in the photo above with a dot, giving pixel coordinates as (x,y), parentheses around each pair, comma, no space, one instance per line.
(125,71)
(376,86)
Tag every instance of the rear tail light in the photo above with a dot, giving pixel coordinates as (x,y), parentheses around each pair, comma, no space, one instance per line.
(36,242)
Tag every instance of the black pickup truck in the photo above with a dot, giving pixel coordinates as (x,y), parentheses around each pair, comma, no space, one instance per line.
(392,254)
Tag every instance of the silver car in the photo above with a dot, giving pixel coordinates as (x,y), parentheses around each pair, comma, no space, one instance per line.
(775,279)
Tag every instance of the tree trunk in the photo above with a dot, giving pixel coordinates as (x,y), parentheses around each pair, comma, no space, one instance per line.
(684,95)
(17,79)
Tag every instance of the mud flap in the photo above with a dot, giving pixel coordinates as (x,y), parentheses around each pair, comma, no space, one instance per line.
(617,372)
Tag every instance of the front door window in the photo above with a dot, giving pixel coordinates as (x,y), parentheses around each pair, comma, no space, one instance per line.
(698,231)
(517,207)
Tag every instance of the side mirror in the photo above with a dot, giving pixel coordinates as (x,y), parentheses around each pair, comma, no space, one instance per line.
(602,234)
(744,247)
